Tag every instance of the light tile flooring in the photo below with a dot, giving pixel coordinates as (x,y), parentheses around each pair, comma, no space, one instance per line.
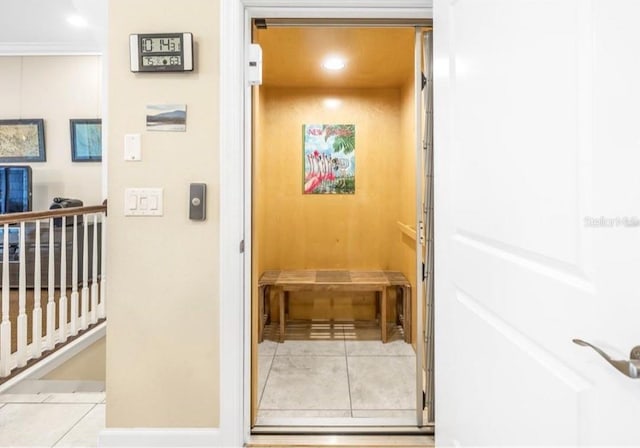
(335,371)
(71,419)
(322,370)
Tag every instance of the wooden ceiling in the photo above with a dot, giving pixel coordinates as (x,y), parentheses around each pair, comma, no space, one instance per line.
(375,57)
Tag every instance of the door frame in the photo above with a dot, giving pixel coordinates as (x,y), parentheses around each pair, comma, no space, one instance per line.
(235,182)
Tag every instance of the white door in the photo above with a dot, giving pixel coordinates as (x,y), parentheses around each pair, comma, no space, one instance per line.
(537,183)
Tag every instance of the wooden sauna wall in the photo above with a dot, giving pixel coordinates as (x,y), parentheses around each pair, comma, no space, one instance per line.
(297,231)
(403,246)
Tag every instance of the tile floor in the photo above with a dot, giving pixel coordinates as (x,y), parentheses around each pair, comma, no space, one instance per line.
(71,419)
(322,370)
(335,371)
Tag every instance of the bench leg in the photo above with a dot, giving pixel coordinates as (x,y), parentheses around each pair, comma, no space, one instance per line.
(282,313)
(261,294)
(267,305)
(383,314)
(406,312)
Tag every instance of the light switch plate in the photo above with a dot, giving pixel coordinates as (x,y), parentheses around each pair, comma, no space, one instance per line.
(143,202)
(132,147)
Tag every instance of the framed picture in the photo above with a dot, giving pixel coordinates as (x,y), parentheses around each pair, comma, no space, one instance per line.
(167,117)
(86,140)
(22,141)
(329,158)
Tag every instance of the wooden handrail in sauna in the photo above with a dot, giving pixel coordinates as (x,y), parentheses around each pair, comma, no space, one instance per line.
(16,218)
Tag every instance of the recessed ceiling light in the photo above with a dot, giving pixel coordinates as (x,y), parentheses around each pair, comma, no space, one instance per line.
(333,63)
(78,21)
(331,103)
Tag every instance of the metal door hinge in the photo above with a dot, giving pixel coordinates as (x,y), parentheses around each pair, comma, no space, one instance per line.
(242,246)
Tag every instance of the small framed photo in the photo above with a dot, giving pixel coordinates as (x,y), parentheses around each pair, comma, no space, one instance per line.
(86,140)
(22,141)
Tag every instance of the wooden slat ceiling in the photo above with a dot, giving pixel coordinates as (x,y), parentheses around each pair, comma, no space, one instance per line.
(375,57)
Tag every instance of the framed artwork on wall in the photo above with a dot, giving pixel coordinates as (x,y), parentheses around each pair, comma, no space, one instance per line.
(167,117)
(86,140)
(22,141)
(329,158)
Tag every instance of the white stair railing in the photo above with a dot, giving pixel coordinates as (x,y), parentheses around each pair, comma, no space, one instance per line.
(36,334)
(84,306)
(102,307)
(75,297)
(5,325)
(21,263)
(51,302)
(63,331)
(22,303)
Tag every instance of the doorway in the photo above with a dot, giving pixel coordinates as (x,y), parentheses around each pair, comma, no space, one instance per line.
(328,367)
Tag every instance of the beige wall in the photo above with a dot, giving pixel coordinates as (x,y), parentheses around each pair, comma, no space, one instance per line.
(56,89)
(162,343)
(88,365)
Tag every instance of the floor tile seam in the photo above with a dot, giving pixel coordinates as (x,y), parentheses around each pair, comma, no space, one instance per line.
(381,356)
(286,355)
(385,409)
(54,403)
(314,340)
(301,409)
(346,360)
(47,396)
(266,379)
(51,397)
(75,424)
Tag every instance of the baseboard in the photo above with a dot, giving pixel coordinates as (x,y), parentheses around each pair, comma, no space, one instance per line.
(160,437)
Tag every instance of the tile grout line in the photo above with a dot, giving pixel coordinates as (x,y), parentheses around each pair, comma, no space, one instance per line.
(266,380)
(76,423)
(321,410)
(346,359)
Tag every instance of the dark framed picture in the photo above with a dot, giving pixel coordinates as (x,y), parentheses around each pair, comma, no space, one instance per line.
(22,141)
(86,140)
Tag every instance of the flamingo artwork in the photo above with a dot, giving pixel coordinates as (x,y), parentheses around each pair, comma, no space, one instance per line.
(329,159)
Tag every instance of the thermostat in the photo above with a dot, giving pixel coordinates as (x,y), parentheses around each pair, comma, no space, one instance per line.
(161,52)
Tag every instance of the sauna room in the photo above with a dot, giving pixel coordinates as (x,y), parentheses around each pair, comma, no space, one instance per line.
(334,212)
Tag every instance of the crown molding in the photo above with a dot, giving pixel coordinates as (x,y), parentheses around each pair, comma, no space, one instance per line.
(49,48)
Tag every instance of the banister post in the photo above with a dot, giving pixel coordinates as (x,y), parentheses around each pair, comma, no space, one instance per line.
(5,325)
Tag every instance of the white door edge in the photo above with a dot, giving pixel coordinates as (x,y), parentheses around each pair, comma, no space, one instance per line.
(235,191)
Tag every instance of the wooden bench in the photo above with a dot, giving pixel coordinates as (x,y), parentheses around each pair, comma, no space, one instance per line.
(319,280)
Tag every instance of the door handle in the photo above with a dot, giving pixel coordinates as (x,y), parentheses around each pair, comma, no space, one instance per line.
(629,368)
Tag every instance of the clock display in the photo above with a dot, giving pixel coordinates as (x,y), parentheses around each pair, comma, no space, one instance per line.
(160,45)
(161,52)
(161,60)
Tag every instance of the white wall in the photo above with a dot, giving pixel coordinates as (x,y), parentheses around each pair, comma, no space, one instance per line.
(56,89)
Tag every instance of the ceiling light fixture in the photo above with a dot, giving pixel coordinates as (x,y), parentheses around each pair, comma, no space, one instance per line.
(78,21)
(333,63)
(331,103)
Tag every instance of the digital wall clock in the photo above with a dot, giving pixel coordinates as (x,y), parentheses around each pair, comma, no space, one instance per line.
(161,52)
